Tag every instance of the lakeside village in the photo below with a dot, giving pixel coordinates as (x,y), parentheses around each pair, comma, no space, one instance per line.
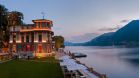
(29,43)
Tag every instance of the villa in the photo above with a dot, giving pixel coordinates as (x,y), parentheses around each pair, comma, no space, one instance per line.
(35,39)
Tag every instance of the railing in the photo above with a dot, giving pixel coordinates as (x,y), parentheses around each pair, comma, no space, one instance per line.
(35,29)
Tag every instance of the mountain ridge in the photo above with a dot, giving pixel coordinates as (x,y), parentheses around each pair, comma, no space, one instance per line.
(127,35)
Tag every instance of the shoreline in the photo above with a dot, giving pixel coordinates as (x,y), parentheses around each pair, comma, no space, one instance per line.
(87,72)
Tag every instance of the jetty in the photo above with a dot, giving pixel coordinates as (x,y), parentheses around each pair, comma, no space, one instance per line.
(72,68)
(78,55)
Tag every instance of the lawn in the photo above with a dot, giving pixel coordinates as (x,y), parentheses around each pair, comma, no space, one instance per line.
(30,69)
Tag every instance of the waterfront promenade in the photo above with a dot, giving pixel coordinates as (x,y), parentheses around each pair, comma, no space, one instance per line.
(69,67)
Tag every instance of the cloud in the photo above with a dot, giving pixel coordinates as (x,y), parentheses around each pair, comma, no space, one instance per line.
(124,21)
(109,29)
(83,38)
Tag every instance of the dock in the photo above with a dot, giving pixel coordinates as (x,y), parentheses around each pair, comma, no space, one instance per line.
(73,68)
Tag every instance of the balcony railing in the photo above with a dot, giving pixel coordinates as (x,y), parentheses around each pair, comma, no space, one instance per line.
(35,29)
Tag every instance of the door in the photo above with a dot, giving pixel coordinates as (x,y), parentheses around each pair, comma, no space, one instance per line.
(39,48)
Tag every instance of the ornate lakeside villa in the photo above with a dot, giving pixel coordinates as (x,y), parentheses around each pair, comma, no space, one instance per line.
(35,39)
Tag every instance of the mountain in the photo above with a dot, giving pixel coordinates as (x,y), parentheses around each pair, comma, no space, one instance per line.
(102,40)
(127,35)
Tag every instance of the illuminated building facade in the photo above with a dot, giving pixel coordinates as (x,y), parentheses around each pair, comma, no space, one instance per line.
(32,38)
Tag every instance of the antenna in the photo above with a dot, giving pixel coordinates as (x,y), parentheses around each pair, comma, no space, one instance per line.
(43,14)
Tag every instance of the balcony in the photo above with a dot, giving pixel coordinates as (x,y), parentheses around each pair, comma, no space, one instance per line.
(35,29)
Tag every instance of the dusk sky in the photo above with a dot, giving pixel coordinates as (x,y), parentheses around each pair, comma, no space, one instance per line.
(78,17)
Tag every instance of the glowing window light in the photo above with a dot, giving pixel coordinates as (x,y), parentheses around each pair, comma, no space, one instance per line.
(35,41)
(40,55)
(18,41)
(11,41)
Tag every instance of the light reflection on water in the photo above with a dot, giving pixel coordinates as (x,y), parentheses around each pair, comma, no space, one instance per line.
(116,62)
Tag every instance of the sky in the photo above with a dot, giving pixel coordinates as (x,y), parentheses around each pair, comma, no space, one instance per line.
(78,17)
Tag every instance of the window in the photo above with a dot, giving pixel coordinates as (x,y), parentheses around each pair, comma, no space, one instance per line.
(48,25)
(44,24)
(22,27)
(39,24)
(27,38)
(35,24)
(22,38)
(14,38)
(46,37)
(40,38)
(17,37)
(32,37)
(13,28)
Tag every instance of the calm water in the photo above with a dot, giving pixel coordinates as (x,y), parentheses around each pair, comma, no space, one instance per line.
(116,62)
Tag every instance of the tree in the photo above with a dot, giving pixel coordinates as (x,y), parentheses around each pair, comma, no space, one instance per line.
(3,23)
(15,18)
(3,16)
(8,19)
(59,42)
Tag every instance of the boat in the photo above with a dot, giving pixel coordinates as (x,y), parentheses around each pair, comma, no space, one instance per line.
(78,55)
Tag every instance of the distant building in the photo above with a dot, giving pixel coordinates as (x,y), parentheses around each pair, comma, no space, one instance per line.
(32,38)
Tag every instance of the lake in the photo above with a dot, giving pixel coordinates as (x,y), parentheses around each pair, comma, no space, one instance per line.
(115,62)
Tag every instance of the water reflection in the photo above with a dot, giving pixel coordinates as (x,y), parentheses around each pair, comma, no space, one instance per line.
(116,62)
